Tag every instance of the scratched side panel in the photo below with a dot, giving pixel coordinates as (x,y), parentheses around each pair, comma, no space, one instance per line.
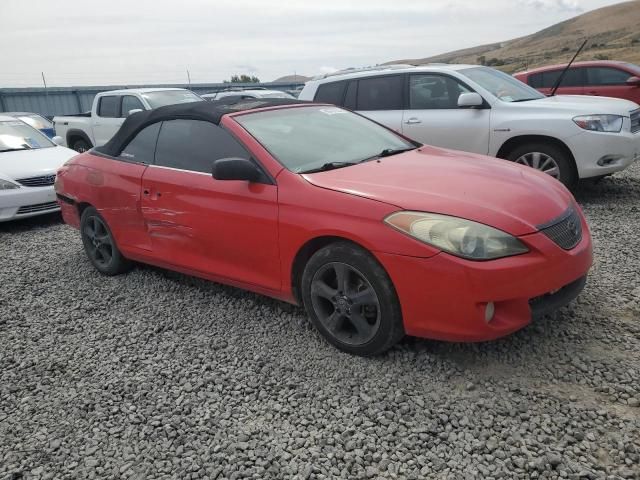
(226,228)
(113,188)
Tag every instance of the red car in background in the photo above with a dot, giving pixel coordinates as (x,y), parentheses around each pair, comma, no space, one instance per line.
(376,235)
(602,78)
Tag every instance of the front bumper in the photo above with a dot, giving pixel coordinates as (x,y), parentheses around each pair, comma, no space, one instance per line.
(445,297)
(27,202)
(599,153)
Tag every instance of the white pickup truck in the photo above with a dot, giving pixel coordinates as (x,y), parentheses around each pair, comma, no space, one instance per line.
(86,130)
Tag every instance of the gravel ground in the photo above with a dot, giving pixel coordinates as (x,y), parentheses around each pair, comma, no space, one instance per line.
(157,375)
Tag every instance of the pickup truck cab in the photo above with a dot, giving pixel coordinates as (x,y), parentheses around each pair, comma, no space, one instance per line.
(91,129)
(482,110)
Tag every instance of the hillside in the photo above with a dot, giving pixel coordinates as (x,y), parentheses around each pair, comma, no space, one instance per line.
(293,79)
(612,31)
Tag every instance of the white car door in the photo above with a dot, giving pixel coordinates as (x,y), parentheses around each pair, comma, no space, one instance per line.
(107,120)
(379,98)
(434,118)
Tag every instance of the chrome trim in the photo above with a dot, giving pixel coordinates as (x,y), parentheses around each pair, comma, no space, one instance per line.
(180,170)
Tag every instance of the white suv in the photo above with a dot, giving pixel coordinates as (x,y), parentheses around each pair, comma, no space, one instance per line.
(482,110)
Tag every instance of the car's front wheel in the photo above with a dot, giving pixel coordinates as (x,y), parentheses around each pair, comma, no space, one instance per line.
(351,300)
(547,158)
(100,245)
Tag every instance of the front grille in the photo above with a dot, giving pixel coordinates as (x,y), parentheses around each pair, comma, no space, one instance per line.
(565,231)
(635,121)
(552,301)
(39,207)
(43,181)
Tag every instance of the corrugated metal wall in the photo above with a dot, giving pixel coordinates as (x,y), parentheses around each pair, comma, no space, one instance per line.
(72,100)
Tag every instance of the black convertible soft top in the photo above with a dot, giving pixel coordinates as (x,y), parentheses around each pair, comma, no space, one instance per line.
(205,110)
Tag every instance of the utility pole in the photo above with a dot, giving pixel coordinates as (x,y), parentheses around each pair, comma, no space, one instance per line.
(46,94)
(189,78)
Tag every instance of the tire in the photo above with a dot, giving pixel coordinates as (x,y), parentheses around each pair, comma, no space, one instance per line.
(80,145)
(99,244)
(360,315)
(548,158)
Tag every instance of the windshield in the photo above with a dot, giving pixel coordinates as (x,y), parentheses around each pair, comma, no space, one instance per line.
(170,97)
(501,85)
(36,121)
(306,138)
(16,135)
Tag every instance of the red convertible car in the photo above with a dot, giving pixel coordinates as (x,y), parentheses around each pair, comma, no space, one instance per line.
(376,235)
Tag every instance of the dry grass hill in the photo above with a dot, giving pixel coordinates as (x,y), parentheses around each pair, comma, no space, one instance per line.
(613,32)
(293,79)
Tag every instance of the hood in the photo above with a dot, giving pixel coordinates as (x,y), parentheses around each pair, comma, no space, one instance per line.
(507,196)
(33,163)
(586,104)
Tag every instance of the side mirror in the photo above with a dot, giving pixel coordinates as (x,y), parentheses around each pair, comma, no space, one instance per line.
(236,169)
(58,140)
(470,100)
(633,81)
(135,110)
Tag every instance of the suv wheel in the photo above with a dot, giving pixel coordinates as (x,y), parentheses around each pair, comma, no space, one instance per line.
(548,159)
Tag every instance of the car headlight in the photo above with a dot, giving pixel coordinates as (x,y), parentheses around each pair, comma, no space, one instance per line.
(600,123)
(7,185)
(457,236)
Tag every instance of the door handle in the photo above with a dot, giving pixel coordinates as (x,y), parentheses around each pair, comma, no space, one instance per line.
(413,121)
(145,192)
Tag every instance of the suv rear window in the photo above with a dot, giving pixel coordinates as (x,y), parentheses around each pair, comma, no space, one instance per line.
(380,93)
(573,78)
(606,76)
(331,93)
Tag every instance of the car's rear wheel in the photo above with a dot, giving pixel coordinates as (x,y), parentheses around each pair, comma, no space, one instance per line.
(548,159)
(100,245)
(80,145)
(351,300)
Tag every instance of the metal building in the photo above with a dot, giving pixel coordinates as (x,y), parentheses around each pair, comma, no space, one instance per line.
(72,100)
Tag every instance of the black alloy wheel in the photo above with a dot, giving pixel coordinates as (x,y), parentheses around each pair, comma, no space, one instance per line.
(345,303)
(100,245)
(351,299)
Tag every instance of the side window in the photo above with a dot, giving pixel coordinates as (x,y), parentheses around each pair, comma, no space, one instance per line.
(108,106)
(330,93)
(194,145)
(535,80)
(380,93)
(129,102)
(573,78)
(606,76)
(350,96)
(427,92)
(142,148)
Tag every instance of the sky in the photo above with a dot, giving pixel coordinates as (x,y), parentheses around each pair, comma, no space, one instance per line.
(128,42)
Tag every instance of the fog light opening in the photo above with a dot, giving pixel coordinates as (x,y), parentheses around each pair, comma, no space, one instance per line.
(489,311)
(608,160)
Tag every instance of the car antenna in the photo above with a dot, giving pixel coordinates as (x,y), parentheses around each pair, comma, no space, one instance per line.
(564,72)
